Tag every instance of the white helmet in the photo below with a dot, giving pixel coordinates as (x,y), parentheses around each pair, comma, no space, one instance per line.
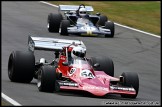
(82,11)
(78,52)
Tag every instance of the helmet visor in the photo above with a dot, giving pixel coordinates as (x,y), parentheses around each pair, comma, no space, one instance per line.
(79,54)
(82,12)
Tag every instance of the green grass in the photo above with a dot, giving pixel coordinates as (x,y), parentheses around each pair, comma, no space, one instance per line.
(5,103)
(143,15)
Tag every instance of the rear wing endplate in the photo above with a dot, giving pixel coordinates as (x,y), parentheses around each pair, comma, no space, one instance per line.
(50,44)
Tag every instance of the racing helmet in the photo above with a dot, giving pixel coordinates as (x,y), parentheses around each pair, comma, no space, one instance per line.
(82,12)
(78,52)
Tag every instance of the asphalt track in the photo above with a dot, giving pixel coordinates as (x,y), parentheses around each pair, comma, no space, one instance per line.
(130,50)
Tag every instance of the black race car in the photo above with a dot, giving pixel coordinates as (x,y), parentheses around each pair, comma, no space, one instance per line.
(67,21)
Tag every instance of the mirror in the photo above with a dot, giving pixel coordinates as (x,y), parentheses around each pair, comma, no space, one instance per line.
(65,63)
(98,14)
(96,65)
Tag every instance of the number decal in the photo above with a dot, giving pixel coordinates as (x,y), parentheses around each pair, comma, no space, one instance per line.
(72,71)
(86,74)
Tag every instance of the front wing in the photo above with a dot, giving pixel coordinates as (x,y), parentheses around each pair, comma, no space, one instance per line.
(97,90)
(95,87)
(88,31)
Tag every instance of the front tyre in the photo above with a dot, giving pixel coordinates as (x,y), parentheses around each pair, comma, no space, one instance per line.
(64,25)
(110,25)
(47,79)
(106,65)
(54,21)
(21,66)
(130,80)
(103,19)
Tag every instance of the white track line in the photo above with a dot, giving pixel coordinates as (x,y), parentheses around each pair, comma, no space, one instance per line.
(114,23)
(49,3)
(138,30)
(10,100)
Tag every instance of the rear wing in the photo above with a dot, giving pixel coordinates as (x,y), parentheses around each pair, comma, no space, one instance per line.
(74,8)
(50,44)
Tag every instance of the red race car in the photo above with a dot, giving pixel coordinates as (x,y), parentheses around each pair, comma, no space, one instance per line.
(70,69)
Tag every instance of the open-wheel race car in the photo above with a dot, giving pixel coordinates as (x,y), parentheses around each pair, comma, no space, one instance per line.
(70,69)
(73,19)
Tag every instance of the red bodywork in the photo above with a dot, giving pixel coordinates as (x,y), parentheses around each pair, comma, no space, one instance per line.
(84,77)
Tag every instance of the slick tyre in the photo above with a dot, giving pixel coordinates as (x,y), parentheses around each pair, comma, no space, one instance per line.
(110,25)
(64,25)
(103,19)
(130,79)
(106,64)
(47,79)
(54,21)
(21,66)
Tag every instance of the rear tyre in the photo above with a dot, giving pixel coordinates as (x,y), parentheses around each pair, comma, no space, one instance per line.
(64,25)
(54,21)
(21,66)
(47,79)
(131,79)
(103,19)
(106,65)
(110,25)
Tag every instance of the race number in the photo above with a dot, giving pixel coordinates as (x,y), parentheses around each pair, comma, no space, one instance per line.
(72,71)
(86,74)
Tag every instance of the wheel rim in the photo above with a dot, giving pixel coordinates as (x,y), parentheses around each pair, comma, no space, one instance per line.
(59,30)
(48,25)
(39,79)
(10,67)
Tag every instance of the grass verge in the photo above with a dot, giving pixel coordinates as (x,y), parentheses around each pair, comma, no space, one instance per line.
(5,103)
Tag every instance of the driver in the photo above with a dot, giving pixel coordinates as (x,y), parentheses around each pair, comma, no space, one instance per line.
(78,52)
(83,17)
(83,12)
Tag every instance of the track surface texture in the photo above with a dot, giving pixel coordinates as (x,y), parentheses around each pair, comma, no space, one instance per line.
(130,51)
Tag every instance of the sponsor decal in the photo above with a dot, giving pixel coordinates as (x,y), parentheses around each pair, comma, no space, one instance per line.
(94,88)
(31,45)
(68,84)
(122,88)
(62,58)
(89,31)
